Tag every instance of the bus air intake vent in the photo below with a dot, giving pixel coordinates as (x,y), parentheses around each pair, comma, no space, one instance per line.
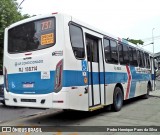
(28,100)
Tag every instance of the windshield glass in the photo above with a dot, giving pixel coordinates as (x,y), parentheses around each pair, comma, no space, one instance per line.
(32,36)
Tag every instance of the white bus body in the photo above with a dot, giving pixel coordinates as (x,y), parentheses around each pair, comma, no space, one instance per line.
(67,71)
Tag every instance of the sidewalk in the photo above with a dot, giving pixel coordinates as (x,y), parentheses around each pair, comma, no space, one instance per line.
(155,93)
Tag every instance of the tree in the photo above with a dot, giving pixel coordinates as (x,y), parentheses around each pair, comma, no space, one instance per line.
(8,14)
(134,41)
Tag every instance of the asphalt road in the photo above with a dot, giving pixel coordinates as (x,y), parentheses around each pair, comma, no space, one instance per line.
(158,85)
(10,113)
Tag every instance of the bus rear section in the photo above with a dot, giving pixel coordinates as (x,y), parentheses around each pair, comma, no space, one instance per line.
(33,62)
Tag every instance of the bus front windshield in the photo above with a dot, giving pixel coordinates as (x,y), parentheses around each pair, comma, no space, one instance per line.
(32,36)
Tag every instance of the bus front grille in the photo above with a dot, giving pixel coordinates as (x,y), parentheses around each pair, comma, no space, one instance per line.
(28,100)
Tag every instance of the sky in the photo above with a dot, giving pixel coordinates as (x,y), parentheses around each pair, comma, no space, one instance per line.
(133,19)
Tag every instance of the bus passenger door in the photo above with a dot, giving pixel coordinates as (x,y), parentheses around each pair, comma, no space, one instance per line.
(95,66)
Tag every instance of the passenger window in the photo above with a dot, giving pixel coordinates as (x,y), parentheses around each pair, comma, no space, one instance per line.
(147,60)
(114,54)
(131,56)
(140,59)
(143,60)
(120,49)
(125,54)
(77,41)
(110,49)
(135,62)
(107,50)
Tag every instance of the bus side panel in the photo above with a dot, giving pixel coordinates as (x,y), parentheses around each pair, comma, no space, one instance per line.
(141,77)
(114,74)
(74,79)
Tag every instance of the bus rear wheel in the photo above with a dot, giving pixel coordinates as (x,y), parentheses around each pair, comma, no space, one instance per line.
(117,99)
(146,96)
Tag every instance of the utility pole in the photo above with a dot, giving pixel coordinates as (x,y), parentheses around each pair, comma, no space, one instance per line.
(20,4)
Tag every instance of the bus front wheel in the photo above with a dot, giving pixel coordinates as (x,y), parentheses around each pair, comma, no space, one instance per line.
(117,99)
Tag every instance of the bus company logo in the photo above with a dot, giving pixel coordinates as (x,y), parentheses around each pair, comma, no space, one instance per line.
(57,53)
(141,70)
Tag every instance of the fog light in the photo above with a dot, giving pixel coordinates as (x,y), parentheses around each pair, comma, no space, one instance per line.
(15,100)
(42,101)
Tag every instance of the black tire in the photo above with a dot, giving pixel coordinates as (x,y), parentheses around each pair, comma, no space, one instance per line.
(66,110)
(146,96)
(3,103)
(117,99)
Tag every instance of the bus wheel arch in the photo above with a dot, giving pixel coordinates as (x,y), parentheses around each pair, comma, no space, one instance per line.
(121,87)
(118,97)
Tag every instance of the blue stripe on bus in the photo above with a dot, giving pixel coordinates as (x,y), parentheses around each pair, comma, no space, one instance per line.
(114,77)
(70,78)
(75,78)
(41,86)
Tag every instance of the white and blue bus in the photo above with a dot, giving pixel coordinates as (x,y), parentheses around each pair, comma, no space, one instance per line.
(56,61)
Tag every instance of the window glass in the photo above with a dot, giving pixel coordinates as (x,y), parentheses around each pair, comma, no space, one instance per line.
(131,56)
(147,60)
(140,60)
(125,54)
(92,49)
(114,54)
(32,36)
(135,62)
(110,48)
(107,50)
(120,49)
(77,41)
(143,60)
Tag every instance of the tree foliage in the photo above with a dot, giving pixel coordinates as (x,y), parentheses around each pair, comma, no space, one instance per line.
(135,41)
(8,14)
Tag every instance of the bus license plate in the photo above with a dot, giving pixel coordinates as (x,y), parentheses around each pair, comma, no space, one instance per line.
(28,85)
